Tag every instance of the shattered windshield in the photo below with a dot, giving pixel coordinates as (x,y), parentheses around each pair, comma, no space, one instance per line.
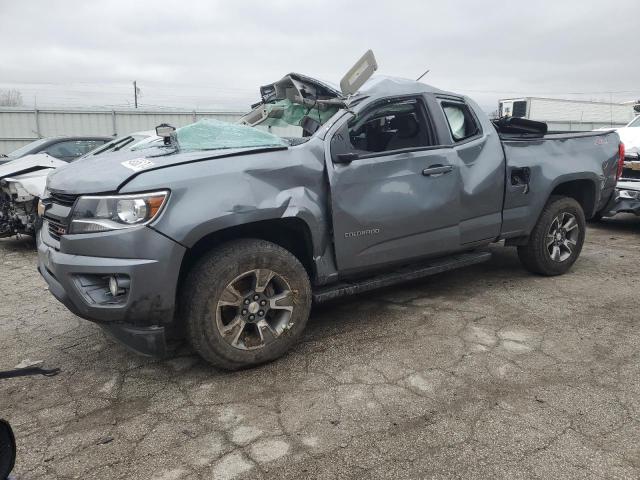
(209,134)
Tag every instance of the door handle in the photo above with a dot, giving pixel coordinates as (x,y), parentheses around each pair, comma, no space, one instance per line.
(437,170)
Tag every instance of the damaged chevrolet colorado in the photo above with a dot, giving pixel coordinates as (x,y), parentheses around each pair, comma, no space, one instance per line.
(227,233)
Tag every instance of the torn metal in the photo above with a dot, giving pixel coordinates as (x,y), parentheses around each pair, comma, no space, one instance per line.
(22,182)
(294,107)
(627,198)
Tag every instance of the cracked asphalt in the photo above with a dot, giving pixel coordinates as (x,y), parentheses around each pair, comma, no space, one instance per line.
(485,372)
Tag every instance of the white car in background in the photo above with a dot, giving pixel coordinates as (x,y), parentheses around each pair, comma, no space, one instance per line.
(630,136)
(22,182)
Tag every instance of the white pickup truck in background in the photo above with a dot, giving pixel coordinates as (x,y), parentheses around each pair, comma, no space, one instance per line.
(630,136)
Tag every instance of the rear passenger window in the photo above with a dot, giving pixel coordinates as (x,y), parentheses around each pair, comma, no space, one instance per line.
(462,123)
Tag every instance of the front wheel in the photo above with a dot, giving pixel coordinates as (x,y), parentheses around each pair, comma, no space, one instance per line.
(556,240)
(245,303)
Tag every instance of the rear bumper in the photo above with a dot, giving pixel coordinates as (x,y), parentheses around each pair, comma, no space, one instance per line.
(622,204)
(625,206)
(143,316)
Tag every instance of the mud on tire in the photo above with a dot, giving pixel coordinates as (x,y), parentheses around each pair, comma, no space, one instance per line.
(245,303)
(557,239)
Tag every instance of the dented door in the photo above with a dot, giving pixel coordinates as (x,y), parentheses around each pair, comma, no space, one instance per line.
(385,210)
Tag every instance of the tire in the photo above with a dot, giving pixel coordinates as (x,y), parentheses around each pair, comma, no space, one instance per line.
(538,254)
(7,449)
(239,316)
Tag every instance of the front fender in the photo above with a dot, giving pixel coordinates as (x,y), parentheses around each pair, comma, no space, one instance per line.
(214,195)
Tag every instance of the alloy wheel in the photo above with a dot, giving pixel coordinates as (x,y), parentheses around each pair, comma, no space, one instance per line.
(255,309)
(562,237)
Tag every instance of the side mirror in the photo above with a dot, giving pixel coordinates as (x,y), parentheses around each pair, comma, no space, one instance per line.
(165,130)
(346,158)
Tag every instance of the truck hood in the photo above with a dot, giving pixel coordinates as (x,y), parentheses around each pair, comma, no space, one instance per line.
(109,172)
(30,163)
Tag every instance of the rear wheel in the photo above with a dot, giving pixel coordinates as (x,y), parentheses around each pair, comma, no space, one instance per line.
(246,303)
(556,241)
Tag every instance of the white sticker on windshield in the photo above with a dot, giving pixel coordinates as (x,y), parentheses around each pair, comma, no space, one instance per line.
(138,164)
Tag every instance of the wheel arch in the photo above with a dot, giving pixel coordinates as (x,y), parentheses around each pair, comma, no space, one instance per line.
(582,190)
(291,233)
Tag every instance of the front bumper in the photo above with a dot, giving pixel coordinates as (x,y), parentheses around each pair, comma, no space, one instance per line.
(77,269)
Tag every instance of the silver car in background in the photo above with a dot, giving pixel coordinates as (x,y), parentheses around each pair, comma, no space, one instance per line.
(22,181)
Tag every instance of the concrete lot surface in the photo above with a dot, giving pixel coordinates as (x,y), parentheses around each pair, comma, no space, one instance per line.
(487,372)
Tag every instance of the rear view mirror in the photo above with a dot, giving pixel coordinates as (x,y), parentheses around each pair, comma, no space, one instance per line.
(359,73)
(165,130)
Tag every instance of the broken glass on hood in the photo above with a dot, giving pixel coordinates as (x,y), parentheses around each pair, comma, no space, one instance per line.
(209,134)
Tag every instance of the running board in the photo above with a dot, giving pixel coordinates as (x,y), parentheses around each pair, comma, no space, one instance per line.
(404,274)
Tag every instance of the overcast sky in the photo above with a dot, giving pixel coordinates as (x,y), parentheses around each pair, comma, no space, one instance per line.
(215,54)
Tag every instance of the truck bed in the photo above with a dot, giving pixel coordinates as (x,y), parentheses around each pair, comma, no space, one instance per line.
(586,160)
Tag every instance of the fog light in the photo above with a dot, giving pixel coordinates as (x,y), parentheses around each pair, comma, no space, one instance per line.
(118,286)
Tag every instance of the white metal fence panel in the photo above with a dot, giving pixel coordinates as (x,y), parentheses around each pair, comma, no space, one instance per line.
(56,123)
(21,126)
(17,124)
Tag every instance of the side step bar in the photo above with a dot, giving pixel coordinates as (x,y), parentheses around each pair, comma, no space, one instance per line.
(404,274)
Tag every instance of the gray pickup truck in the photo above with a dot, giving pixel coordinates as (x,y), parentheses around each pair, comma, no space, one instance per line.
(227,233)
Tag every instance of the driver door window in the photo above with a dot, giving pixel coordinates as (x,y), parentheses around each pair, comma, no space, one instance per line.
(393,126)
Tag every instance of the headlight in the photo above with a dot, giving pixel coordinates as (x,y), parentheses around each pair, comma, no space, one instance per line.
(630,194)
(115,212)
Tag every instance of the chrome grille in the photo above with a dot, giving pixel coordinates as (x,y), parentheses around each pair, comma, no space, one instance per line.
(63,199)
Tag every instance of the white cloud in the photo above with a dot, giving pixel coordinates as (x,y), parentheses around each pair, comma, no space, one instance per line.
(201,53)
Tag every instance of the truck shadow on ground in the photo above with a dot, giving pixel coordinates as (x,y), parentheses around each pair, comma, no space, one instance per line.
(455,286)
(624,222)
(18,244)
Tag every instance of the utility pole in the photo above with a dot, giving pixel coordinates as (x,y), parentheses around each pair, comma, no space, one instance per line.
(611,107)
(135,94)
